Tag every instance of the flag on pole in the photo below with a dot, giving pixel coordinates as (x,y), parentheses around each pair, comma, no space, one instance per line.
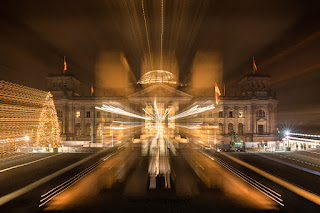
(92,90)
(217,92)
(255,68)
(64,64)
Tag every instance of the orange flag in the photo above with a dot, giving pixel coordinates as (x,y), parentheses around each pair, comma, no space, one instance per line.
(217,92)
(92,90)
(64,64)
(254,65)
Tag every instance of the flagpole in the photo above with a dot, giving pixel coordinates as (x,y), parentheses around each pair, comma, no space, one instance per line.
(253,69)
(64,59)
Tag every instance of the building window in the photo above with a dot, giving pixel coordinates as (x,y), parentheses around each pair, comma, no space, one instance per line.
(240,129)
(98,114)
(260,129)
(78,129)
(88,114)
(241,114)
(230,114)
(220,129)
(261,114)
(78,114)
(221,114)
(59,113)
(88,129)
(230,128)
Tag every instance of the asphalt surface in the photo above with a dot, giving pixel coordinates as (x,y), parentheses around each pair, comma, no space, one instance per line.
(17,178)
(292,202)
(188,192)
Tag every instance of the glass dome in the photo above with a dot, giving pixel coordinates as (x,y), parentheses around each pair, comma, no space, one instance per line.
(158,76)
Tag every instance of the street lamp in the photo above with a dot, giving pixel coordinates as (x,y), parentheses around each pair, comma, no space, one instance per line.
(287,132)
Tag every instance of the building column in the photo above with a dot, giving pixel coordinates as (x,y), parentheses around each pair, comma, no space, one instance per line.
(66,121)
(236,113)
(252,120)
(83,121)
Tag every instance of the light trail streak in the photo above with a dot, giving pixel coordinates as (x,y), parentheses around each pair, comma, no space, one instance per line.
(304,135)
(302,140)
(147,32)
(254,183)
(299,191)
(119,111)
(161,42)
(188,127)
(121,128)
(6,198)
(46,197)
(194,110)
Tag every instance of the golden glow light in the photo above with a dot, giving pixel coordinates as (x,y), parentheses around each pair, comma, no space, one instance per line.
(27,118)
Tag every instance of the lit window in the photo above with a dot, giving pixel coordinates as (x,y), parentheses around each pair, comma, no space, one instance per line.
(240,114)
(78,114)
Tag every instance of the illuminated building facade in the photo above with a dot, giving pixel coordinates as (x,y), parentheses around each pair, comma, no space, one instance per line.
(251,113)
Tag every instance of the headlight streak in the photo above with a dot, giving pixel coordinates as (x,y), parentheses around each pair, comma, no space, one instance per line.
(257,185)
(304,135)
(194,110)
(119,111)
(302,140)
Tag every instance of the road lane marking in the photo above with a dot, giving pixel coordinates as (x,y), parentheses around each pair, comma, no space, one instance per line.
(290,164)
(299,191)
(24,190)
(25,164)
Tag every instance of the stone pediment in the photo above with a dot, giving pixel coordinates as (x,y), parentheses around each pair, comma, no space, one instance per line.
(161,91)
(261,119)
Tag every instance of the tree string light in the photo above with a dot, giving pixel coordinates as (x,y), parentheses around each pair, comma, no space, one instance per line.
(27,117)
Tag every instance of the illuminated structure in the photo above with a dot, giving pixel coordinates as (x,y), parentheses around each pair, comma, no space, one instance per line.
(251,113)
(158,76)
(28,118)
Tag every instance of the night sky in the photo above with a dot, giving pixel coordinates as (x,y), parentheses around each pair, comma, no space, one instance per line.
(283,35)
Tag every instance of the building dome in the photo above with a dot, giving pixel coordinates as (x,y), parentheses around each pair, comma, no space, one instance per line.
(158,76)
